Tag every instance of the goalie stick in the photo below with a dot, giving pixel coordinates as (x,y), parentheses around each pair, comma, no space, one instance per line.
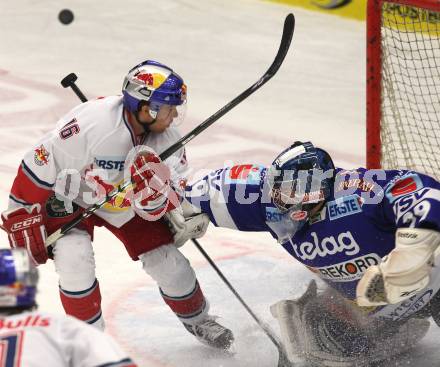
(69,81)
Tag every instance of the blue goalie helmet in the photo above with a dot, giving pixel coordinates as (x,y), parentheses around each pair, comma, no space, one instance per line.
(155,83)
(18,279)
(299,178)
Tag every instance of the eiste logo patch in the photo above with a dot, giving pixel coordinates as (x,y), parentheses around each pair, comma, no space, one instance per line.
(347,205)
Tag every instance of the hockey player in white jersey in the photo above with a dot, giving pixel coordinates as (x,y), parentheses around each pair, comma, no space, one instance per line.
(35,339)
(94,148)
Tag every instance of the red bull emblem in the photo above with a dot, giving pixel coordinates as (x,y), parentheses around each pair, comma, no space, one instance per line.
(147,78)
(122,200)
(41,156)
(154,80)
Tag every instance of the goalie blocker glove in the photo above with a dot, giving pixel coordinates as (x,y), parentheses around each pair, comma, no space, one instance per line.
(25,228)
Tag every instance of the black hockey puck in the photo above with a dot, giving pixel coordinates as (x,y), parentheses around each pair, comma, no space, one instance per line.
(65,16)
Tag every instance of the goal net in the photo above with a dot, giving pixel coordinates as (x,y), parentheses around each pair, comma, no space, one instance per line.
(403,85)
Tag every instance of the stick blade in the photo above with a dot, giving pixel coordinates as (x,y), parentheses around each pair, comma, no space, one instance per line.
(286,40)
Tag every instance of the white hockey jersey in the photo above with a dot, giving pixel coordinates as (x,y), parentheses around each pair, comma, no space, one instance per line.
(92,140)
(37,339)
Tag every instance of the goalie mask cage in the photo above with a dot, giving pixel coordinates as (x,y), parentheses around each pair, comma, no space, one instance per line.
(403,85)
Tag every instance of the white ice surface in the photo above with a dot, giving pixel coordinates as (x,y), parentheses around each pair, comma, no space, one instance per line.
(220,47)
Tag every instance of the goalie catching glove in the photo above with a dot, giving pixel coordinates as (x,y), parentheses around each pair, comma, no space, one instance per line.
(403,272)
(25,228)
(186,223)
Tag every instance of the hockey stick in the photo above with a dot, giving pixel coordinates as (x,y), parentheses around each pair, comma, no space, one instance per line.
(69,81)
(283,361)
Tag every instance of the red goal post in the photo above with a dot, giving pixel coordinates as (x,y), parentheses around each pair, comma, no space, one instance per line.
(403,85)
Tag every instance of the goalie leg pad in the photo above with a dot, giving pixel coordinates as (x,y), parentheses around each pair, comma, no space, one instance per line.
(310,331)
(289,314)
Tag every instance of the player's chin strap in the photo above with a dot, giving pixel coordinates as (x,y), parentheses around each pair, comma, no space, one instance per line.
(403,272)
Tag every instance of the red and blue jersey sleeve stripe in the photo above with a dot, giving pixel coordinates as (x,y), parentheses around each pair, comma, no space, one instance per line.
(28,188)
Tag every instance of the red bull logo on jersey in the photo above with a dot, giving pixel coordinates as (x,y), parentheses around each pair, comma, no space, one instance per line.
(154,80)
(348,271)
(120,202)
(41,156)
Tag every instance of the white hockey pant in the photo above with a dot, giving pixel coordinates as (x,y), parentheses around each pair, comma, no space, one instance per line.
(79,289)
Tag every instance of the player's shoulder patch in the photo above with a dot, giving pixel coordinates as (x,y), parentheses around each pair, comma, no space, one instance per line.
(244,174)
(41,156)
(403,185)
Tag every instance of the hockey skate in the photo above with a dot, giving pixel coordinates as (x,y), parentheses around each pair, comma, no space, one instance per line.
(211,333)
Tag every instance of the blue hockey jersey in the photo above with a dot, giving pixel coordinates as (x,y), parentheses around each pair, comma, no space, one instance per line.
(354,230)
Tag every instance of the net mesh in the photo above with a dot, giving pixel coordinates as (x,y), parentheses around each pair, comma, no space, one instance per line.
(410,125)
